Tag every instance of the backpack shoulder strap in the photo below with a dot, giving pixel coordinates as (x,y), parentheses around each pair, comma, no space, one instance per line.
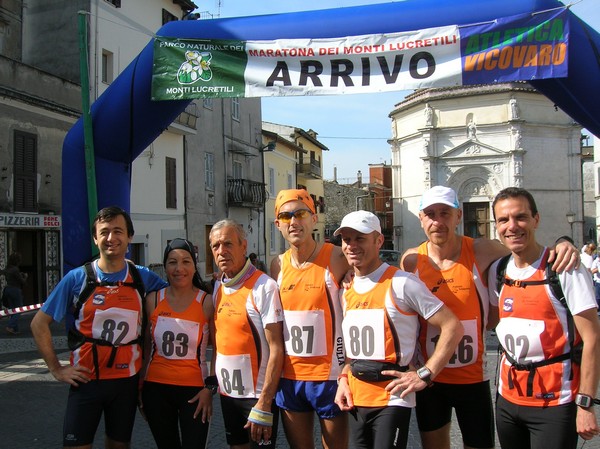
(138,283)
(555,286)
(558,292)
(90,285)
(501,272)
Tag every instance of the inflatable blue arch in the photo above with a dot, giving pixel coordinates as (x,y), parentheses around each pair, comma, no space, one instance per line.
(126,121)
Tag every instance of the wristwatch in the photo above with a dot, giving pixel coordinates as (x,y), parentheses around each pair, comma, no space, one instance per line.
(211,384)
(213,389)
(584,401)
(424,374)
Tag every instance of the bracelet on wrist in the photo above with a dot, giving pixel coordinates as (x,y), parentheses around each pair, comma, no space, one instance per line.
(342,376)
(260,417)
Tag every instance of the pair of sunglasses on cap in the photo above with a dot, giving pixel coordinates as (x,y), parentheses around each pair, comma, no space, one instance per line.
(298,214)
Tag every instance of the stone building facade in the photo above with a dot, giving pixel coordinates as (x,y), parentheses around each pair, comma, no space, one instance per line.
(342,199)
(479,140)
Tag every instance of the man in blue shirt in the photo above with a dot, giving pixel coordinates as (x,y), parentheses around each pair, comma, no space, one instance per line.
(102,304)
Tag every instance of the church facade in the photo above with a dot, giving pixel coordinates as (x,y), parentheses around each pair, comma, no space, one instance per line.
(479,140)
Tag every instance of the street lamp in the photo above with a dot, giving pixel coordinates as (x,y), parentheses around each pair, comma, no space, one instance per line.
(571,220)
(269,146)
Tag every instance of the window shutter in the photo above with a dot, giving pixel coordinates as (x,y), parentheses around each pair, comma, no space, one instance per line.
(25,172)
(171,182)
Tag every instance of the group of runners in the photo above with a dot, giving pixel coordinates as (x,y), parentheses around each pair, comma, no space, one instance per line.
(332,331)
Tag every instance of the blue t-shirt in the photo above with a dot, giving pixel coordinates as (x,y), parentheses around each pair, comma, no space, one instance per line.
(67,291)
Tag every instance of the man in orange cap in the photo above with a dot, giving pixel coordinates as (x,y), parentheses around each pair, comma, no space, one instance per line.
(309,276)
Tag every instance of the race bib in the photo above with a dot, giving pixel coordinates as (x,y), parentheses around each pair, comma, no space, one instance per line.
(466,350)
(521,339)
(234,373)
(115,325)
(364,334)
(176,338)
(304,333)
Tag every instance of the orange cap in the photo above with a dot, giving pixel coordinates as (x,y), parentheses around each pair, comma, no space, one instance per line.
(285,196)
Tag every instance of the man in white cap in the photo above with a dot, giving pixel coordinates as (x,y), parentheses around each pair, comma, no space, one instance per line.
(454,268)
(382,307)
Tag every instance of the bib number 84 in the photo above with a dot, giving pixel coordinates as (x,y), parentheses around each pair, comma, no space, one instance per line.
(232,381)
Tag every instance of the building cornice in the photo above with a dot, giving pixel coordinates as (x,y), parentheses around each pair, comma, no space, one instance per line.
(421,96)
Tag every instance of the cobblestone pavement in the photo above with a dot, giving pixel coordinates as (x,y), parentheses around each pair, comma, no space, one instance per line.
(32,403)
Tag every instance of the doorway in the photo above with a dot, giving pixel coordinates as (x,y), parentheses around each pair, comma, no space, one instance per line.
(476,220)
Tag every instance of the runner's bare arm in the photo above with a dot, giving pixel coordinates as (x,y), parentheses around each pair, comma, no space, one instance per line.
(274,336)
(588,327)
(487,251)
(275,267)
(40,327)
(339,265)
(408,262)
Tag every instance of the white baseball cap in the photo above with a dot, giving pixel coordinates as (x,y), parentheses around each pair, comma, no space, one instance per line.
(439,195)
(361,221)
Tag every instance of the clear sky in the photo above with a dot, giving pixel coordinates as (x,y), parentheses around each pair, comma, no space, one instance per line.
(355,128)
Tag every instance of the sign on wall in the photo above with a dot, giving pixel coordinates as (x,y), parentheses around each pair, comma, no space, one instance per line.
(29,221)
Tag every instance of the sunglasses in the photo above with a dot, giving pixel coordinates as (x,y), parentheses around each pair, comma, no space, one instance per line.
(286,217)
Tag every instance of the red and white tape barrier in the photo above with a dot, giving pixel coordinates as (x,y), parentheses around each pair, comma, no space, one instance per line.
(5,312)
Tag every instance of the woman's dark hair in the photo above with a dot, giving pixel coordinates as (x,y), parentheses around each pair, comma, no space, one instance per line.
(186,245)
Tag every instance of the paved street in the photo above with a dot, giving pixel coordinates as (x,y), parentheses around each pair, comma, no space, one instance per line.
(33,403)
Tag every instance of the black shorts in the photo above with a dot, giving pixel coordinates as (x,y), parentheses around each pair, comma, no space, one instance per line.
(379,427)
(522,427)
(235,416)
(472,404)
(116,398)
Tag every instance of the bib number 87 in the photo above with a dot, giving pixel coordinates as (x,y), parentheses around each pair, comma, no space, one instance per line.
(297,340)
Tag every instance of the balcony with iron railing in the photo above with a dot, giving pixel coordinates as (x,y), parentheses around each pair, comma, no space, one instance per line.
(246,193)
(313,169)
(185,123)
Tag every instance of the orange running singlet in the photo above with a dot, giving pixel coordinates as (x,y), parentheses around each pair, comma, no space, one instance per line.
(176,341)
(111,313)
(461,289)
(532,328)
(312,319)
(376,329)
